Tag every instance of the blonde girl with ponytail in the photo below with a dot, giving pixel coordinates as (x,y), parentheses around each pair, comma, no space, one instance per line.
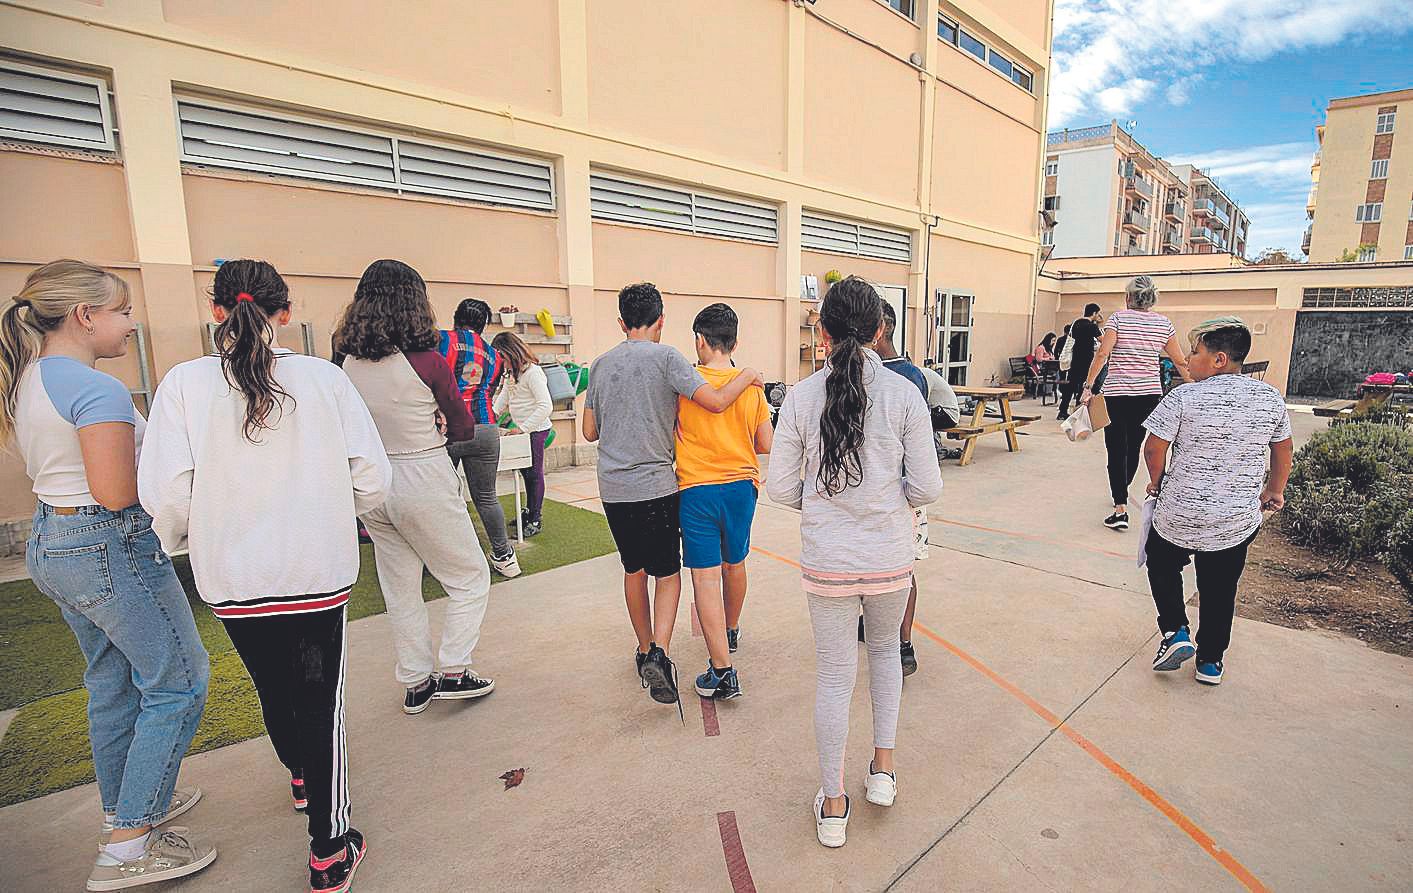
(93,551)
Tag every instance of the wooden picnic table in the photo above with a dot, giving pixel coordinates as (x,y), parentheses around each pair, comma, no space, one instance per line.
(980,427)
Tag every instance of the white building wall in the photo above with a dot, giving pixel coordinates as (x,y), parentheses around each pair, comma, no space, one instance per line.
(1085,220)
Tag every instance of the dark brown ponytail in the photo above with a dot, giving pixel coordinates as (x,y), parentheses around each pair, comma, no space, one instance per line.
(851,313)
(251,292)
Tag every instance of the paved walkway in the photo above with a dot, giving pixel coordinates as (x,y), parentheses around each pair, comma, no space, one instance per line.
(1036,748)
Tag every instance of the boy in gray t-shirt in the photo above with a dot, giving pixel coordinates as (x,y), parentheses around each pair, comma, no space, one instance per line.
(631,411)
(1209,498)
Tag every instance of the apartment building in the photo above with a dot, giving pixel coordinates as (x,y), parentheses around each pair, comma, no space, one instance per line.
(541,153)
(1107,195)
(1361,181)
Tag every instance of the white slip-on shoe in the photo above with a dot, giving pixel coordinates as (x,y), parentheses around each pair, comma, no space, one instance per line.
(882,787)
(831,830)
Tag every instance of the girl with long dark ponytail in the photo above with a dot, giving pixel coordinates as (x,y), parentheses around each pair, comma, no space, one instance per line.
(853,451)
(257,461)
(246,298)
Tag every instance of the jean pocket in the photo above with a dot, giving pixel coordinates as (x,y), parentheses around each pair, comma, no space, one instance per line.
(81,577)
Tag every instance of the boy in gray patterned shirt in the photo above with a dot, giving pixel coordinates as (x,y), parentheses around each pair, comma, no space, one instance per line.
(1219,429)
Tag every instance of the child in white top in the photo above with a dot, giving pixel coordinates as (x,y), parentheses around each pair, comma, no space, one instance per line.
(525,392)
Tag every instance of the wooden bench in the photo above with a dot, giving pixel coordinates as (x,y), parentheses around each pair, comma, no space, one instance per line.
(1335,409)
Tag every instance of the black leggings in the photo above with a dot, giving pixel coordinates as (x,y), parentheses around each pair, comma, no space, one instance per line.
(1123,439)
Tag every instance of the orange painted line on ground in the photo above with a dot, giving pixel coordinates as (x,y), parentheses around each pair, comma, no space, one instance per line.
(1029,536)
(572,492)
(1156,800)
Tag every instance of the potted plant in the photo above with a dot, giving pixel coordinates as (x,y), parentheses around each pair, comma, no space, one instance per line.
(507,315)
(832,277)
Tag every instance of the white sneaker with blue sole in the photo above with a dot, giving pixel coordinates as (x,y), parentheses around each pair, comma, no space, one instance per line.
(1175,650)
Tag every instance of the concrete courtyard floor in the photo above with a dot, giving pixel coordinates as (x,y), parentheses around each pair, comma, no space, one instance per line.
(1036,749)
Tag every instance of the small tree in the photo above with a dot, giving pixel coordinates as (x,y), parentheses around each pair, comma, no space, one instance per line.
(1272,256)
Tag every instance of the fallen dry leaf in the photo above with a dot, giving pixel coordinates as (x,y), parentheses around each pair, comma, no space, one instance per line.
(513,778)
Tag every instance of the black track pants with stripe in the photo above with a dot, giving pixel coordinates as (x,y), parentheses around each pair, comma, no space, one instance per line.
(298,663)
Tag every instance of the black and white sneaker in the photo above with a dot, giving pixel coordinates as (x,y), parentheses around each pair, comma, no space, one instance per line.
(459,686)
(335,875)
(418,698)
(909,658)
(659,675)
(1117,521)
(733,639)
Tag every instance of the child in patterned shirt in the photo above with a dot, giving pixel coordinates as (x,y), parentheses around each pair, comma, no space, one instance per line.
(1209,500)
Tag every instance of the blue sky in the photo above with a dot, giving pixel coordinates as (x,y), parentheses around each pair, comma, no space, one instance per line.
(1234,87)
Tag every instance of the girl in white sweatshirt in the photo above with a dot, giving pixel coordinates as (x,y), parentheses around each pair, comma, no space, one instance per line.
(257,461)
(525,392)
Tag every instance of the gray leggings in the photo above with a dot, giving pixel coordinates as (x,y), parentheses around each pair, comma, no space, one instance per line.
(835,622)
(480,464)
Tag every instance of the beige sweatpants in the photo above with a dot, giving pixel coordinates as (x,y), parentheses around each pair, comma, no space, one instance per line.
(424,522)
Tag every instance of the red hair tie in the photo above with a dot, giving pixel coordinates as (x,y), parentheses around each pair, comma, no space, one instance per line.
(244,296)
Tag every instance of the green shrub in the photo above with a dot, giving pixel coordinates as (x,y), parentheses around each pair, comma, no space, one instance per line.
(1398,551)
(1362,453)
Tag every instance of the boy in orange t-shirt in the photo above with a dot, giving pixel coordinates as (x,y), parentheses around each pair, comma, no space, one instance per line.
(718,473)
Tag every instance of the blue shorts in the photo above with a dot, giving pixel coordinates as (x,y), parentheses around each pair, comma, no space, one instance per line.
(716,523)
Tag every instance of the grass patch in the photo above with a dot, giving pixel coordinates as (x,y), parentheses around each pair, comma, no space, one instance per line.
(46,747)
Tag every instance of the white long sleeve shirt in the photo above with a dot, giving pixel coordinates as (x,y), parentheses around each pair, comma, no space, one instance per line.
(269,525)
(528,399)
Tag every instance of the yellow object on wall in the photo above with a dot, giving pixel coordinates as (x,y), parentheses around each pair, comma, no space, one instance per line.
(546,322)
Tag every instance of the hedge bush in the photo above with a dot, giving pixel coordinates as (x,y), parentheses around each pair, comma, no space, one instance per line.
(1351,496)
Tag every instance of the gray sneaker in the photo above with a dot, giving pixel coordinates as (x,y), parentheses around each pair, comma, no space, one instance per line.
(182,800)
(170,854)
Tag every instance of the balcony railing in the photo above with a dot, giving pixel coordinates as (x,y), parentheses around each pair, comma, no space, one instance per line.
(1305,239)
(1134,251)
(1202,234)
(1173,211)
(1056,137)
(1139,185)
(1135,221)
(1205,207)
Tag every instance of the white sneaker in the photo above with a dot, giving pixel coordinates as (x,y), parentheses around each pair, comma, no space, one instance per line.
(182,800)
(882,787)
(831,830)
(170,854)
(507,567)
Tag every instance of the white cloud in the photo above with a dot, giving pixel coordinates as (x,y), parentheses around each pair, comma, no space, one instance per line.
(1103,48)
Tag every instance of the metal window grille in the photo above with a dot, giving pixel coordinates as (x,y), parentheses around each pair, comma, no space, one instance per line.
(271,142)
(614,197)
(40,105)
(839,236)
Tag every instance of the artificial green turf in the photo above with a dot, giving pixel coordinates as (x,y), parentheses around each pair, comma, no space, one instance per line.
(46,747)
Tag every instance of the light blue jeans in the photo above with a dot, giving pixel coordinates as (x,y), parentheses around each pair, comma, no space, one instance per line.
(147,669)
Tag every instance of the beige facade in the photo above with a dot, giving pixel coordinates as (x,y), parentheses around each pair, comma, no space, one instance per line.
(1361,193)
(1106,195)
(381,126)
(1322,327)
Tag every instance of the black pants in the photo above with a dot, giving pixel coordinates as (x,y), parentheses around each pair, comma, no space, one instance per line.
(1123,440)
(297,663)
(1217,576)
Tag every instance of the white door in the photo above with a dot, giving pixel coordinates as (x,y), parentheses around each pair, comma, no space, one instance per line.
(954,322)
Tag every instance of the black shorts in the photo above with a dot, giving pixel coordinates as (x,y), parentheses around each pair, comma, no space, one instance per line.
(647,534)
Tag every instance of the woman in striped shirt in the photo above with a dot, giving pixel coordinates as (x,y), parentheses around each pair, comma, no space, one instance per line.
(1132,341)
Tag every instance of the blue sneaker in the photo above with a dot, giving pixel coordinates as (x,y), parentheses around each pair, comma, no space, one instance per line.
(1174,651)
(1209,672)
(720,684)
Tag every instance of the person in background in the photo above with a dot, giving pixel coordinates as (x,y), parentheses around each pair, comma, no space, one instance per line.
(1132,340)
(255,460)
(1062,340)
(93,551)
(883,346)
(942,403)
(718,470)
(1219,430)
(525,392)
(1085,334)
(1045,350)
(853,452)
(630,410)
(478,368)
(388,336)
(1064,356)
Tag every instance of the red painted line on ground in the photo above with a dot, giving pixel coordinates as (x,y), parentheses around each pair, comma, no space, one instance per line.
(710,724)
(1029,536)
(696,621)
(1156,800)
(736,867)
